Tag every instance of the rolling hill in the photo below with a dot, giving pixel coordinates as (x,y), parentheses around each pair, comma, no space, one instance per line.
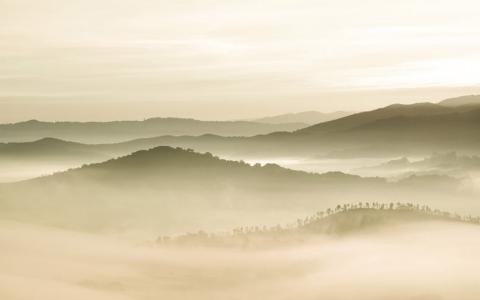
(171,189)
(347,219)
(161,186)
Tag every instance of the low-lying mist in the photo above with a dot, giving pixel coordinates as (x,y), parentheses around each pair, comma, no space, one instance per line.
(418,261)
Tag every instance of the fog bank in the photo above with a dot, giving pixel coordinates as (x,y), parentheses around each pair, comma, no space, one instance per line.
(427,261)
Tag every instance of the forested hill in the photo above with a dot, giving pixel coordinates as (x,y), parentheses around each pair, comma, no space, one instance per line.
(170,164)
(342,220)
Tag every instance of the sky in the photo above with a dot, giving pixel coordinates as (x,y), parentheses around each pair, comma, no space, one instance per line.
(134,59)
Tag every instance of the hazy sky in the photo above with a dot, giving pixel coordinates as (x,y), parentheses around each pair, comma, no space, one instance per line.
(107,59)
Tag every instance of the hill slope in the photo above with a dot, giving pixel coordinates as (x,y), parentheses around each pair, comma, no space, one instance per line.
(359,119)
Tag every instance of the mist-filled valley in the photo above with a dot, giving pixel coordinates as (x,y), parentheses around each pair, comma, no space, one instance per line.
(415,259)
(141,219)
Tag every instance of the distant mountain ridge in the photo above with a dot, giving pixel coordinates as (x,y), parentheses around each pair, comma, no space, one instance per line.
(306,117)
(384,113)
(399,129)
(415,127)
(404,129)
(118,131)
(461,101)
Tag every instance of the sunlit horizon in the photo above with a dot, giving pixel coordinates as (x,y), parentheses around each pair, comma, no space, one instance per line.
(62,60)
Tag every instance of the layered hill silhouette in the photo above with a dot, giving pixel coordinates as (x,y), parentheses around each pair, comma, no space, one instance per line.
(162,186)
(394,130)
(117,131)
(421,128)
(306,117)
(177,164)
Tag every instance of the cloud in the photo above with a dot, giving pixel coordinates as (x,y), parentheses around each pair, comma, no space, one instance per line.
(270,52)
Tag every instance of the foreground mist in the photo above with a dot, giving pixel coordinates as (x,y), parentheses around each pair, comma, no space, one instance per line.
(418,261)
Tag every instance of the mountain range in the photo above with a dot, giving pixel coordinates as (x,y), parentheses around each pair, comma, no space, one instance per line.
(399,129)
(117,131)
